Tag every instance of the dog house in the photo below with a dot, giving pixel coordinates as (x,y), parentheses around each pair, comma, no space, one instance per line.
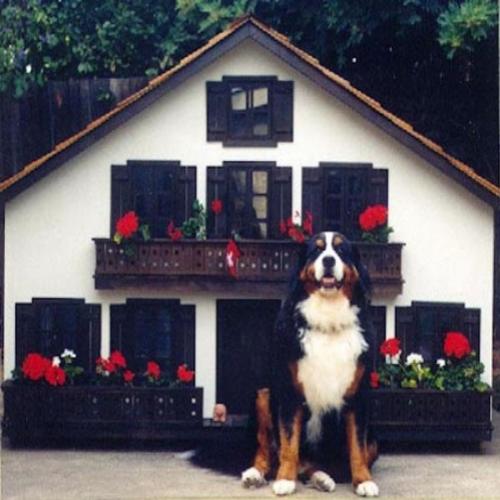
(256,131)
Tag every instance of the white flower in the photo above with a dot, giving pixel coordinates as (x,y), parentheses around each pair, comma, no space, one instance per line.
(28,69)
(440,362)
(56,361)
(67,353)
(414,358)
(393,360)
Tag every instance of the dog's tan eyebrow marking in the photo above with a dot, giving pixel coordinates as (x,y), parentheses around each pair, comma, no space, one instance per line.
(320,243)
(338,240)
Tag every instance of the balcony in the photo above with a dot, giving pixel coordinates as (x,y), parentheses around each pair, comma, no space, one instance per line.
(189,265)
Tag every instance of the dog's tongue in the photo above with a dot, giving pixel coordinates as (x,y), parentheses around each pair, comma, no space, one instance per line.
(328,281)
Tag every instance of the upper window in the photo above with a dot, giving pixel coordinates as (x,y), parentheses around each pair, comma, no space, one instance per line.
(250,111)
(422,326)
(49,326)
(154,330)
(158,191)
(337,193)
(256,196)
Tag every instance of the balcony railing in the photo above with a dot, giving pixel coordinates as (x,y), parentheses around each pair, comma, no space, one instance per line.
(191,264)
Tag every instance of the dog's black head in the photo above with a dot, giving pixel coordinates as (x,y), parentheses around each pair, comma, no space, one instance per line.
(331,265)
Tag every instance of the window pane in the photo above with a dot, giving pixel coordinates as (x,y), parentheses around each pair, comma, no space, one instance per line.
(426,328)
(260,126)
(239,181)
(260,97)
(263,229)
(238,99)
(260,206)
(259,182)
(152,333)
(356,185)
(239,124)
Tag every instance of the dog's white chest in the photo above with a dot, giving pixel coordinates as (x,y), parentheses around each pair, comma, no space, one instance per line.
(327,369)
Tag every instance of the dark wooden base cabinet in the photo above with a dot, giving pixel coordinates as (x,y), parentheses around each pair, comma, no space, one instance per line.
(99,412)
(426,415)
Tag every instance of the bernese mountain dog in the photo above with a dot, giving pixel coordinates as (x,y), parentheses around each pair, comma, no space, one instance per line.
(315,408)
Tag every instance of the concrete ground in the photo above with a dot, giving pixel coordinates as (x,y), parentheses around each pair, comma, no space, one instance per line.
(161,473)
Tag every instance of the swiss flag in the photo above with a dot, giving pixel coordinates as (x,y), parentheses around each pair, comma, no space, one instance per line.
(232,255)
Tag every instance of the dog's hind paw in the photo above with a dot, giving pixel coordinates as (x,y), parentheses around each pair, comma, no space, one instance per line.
(367,489)
(322,481)
(252,478)
(283,487)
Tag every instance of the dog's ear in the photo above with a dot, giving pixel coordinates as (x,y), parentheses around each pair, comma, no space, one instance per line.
(364,285)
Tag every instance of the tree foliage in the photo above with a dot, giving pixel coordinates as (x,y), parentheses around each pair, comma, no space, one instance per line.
(434,62)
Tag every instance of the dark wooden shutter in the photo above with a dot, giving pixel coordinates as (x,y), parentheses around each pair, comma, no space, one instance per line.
(378,187)
(405,328)
(378,315)
(26,340)
(472,328)
(217,115)
(280,198)
(118,317)
(185,194)
(187,326)
(120,193)
(283,111)
(88,342)
(312,195)
(217,189)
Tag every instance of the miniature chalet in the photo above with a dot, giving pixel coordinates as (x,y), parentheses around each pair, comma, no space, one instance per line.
(253,121)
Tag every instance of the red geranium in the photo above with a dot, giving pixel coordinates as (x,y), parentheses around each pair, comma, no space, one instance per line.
(127,225)
(34,366)
(373,217)
(185,375)
(128,376)
(374,379)
(55,375)
(153,370)
(457,345)
(117,359)
(308,223)
(173,232)
(216,206)
(390,347)
(104,364)
(296,235)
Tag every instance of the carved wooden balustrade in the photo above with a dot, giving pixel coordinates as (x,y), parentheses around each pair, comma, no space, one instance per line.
(191,264)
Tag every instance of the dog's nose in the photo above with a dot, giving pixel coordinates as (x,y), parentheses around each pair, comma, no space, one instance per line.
(328,262)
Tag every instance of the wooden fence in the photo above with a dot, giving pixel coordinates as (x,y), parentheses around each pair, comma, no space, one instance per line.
(33,125)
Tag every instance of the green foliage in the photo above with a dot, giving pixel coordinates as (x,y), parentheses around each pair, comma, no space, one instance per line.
(462,26)
(378,235)
(196,225)
(430,61)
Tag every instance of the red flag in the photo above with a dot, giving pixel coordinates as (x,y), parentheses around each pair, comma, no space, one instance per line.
(232,255)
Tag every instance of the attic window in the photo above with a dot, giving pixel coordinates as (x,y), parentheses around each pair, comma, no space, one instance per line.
(250,111)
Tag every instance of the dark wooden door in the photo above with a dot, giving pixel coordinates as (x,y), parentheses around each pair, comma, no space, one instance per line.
(244,329)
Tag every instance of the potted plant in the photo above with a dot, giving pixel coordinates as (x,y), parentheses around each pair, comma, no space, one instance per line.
(414,400)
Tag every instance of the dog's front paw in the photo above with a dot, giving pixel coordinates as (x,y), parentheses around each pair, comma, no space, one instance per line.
(367,489)
(322,481)
(252,478)
(283,487)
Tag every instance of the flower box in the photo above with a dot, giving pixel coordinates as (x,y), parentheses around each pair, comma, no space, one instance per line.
(34,411)
(430,415)
(192,264)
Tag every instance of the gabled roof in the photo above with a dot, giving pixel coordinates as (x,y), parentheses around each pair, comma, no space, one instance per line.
(250,28)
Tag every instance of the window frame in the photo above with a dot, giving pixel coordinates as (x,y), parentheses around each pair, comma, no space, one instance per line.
(279,109)
(88,324)
(122,334)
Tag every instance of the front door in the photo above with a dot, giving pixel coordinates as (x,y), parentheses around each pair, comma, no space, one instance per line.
(244,329)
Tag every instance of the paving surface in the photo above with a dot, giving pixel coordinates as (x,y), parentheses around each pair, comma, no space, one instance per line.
(161,473)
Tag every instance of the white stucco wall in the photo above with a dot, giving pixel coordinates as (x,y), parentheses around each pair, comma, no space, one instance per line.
(49,228)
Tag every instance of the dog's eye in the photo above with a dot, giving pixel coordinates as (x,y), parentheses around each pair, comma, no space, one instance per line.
(320,243)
